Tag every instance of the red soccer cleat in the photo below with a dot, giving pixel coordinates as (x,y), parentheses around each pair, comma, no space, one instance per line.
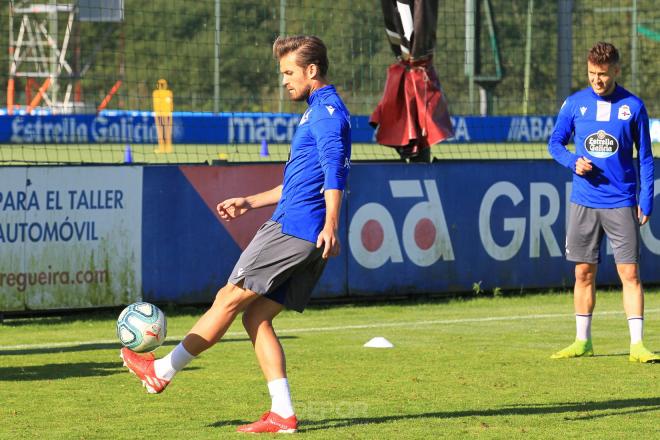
(143,367)
(271,422)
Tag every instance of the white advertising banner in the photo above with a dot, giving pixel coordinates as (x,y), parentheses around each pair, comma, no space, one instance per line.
(70,237)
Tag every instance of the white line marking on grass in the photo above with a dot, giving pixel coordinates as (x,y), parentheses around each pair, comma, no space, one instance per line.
(408,324)
(442,321)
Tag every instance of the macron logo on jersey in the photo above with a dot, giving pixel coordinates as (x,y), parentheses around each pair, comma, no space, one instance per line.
(583,110)
(305,117)
(330,109)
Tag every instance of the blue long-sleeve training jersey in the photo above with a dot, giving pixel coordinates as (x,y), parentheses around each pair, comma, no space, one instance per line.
(319,160)
(606,128)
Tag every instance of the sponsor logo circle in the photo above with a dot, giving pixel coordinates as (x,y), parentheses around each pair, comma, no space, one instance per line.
(372,235)
(601,144)
(425,233)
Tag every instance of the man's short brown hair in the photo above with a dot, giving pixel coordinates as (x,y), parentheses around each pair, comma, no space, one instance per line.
(310,50)
(603,53)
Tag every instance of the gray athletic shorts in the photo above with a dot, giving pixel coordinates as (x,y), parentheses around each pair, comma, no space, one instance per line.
(280,267)
(586,227)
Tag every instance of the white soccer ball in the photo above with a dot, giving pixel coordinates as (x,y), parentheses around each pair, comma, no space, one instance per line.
(141,327)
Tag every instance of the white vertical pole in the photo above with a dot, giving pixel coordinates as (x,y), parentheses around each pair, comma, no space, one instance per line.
(528,55)
(564,49)
(633,43)
(216,75)
(280,103)
(470,44)
(52,30)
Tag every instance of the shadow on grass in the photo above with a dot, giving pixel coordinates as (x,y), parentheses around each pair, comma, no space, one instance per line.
(612,354)
(571,411)
(64,371)
(17,322)
(55,348)
(67,316)
(235,423)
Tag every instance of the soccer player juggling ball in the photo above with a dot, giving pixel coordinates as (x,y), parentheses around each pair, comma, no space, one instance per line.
(286,257)
(607,122)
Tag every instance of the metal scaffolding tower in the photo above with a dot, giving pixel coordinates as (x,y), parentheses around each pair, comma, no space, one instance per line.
(37,54)
(38,50)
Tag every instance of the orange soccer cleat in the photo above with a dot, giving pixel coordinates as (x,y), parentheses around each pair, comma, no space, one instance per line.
(271,422)
(143,367)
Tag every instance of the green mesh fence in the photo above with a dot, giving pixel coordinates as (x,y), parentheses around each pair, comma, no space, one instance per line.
(216,58)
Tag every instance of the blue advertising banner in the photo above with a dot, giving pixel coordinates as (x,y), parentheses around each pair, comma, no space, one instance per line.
(236,128)
(406,229)
(240,128)
(445,227)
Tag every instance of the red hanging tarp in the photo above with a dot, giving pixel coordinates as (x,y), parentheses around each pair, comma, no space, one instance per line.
(412,112)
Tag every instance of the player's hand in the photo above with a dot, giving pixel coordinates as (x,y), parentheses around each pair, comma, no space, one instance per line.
(583,166)
(232,208)
(330,242)
(641,218)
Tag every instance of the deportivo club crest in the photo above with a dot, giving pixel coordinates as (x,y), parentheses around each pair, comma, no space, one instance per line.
(624,112)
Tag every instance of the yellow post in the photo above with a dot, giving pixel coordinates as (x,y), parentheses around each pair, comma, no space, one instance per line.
(163,108)
(10,96)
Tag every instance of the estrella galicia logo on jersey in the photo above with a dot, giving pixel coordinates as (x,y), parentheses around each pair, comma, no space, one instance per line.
(624,112)
(601,144)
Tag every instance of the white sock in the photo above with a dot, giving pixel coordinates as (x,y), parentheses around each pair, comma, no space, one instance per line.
(280,398)
(636,327)
(583,327)
(175,361)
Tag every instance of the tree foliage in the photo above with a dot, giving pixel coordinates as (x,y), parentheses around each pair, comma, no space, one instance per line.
(175,40)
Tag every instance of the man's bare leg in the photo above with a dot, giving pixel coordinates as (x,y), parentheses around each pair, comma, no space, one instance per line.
(258,322)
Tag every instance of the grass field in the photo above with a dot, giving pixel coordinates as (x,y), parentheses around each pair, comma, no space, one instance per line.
(115,153)
(462,368)
(190,154)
